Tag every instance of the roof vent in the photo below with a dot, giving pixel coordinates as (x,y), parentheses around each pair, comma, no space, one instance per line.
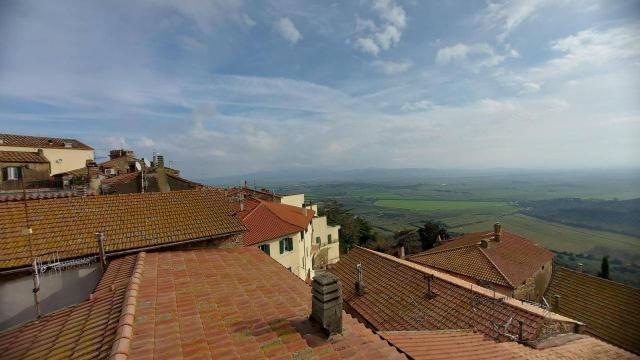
(430,294)
(326,303)
(484,243)
(360,288)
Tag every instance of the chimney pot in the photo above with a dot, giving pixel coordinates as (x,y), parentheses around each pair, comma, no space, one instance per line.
(402,254)
(326,303)
(580,267)
(497,231)
(556,299)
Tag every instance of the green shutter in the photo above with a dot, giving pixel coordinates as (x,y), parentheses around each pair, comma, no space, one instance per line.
(281,246)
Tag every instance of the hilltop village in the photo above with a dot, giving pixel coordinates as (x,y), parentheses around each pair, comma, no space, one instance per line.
(126,259)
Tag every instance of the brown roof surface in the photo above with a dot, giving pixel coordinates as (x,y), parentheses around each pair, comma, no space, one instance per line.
(129,221)
(22,157)
(121,179)
(36,195)
(267,220)
(83,331)
(397,299)
(508,262)
(610,310)
(465,344)
(206,303)
(40,142)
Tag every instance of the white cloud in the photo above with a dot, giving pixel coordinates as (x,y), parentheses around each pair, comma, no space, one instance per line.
(146,142)
(367,45)
(509,14)
(473,55)
(421,105)
(206,14)
(373,38)
(530,88)
(288,30)
(390,67)
(248,21)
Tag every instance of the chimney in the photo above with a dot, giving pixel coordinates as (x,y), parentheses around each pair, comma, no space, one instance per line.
(360,288)
(580,267)
(401,252)
(497,232)
(92,176)
(556,302)
(484,243)
(326,303)
(241,205)
(101,253)
(40,152)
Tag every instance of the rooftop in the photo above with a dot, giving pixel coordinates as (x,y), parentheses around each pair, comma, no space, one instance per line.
(397,298)
(130,221)
(609,309)
(508,262)
(466,344)
(268,220)
(193,304)
(22,157)
(41,142)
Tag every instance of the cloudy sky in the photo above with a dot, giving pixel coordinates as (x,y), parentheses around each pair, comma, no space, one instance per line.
(226,87)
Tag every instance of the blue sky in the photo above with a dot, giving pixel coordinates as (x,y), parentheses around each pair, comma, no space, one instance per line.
(229,87)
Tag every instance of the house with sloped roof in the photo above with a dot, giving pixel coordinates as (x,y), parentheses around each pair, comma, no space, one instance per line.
(18,168)
(295,236)
(63,154)
(61,236)
(609,309)
(430,314)
(506,262)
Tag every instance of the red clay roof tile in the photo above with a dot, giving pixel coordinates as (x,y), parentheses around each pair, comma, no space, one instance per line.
(610,310)
(130,221)
(508,262)
(267,220)
(22,157)
(40,142)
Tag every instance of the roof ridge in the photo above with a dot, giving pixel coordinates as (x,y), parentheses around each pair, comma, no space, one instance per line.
(124,331)
(475,288)
(274,213)
(496,267)
(429,252)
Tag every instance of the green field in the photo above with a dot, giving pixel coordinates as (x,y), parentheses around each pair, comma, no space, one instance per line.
(438,205)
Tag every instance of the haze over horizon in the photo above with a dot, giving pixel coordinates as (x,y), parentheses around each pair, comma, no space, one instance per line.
(231,87)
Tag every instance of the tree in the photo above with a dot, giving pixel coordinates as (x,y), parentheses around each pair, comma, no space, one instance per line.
(430,231)
(354,230)
(604,267)
(408,238)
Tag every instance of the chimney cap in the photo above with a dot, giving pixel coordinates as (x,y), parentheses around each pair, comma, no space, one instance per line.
(325,278)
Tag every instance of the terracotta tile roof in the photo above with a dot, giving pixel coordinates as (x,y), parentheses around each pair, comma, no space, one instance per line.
(40,142)
(267,220)
(22,157)
(509,262)
(36,195)
(193,184)
(116,161)
(83,331)
(205,304)
(397,298)
(610,310)
(129,221)
(466,344)
(121,179)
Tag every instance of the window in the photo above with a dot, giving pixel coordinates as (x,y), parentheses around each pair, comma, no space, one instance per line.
(12,173)
(265,248)
(289,268)
(317,239)
(286,244)
(329,238)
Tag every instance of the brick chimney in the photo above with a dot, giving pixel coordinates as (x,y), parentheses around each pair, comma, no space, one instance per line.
(497,232)
(326,303)
(360,287)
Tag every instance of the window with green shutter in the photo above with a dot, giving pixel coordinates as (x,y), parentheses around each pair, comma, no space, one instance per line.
(329,238)
(265,248)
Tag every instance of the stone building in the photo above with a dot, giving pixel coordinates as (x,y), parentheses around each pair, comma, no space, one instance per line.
(17,166)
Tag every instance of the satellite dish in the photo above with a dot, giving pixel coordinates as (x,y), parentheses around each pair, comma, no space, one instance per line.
(138,166)
(147,163)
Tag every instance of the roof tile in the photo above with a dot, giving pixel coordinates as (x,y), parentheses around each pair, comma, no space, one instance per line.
(40,142)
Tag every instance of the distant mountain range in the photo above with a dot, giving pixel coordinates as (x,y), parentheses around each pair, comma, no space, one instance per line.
(373,175)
